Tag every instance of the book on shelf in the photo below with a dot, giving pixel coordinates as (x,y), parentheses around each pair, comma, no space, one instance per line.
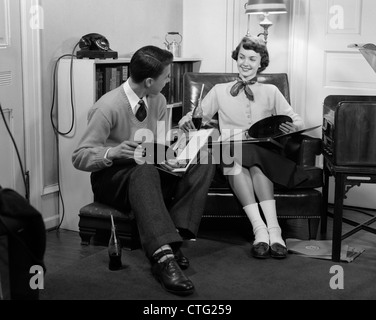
(166,92)
(99,84)
(173,90)
(109,77)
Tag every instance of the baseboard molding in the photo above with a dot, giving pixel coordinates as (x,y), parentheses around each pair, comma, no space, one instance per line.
(51,189)
(51,222)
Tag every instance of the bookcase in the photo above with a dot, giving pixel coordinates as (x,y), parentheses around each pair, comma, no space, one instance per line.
(91,78)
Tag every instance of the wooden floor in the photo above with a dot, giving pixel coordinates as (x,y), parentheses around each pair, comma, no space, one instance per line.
(63,248)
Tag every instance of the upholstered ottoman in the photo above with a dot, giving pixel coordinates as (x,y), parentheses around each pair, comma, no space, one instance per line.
(96,217)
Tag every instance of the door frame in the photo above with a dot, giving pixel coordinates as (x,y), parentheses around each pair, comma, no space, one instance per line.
(298,59)
(32,93)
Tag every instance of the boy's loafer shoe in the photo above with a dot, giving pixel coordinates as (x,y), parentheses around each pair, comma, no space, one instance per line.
(181,259)
(172,278)
(260,250)
(278,251)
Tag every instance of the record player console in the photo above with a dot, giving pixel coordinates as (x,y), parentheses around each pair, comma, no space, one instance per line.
(349,130)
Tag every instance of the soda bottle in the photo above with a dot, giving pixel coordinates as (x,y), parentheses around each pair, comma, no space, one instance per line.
(197,116)
(114,249)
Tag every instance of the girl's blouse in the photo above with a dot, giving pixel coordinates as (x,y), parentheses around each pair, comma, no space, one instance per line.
(241,113)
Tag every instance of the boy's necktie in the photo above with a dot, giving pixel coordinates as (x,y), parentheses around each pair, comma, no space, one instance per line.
(141,111)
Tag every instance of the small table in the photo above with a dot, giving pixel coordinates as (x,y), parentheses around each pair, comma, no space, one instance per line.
(345,177)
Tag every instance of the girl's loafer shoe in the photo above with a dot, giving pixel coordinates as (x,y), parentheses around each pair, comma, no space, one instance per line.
(278,251)
(260,250)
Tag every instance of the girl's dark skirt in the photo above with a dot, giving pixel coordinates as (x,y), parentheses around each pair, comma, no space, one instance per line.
(279,169)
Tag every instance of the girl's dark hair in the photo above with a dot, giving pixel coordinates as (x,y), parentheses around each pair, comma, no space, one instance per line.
(257,45)
(149,62)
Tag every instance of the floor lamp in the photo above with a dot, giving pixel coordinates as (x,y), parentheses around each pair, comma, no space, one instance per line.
(264,7)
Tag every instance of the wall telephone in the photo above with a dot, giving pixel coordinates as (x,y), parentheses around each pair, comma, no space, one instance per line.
(95,45)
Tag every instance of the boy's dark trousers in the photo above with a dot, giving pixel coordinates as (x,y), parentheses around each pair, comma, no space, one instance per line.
(160,202)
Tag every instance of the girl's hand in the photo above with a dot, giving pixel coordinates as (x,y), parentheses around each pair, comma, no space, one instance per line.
(187,125)
(288,127)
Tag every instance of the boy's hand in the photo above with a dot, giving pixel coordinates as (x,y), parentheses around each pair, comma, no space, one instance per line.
(127,149)
(172,164)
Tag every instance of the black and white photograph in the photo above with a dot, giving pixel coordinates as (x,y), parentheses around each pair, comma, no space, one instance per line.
(187,157)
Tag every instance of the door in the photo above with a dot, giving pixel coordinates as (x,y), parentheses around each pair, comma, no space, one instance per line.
(11,98)
(335,69)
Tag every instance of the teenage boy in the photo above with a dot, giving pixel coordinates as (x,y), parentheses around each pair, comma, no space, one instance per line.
(167,209)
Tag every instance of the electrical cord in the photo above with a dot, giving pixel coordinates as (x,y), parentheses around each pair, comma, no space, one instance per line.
(54,126)
(56,129)
(58,182)
(27,195)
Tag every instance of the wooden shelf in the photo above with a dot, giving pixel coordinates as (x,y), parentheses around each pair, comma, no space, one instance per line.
(174,105)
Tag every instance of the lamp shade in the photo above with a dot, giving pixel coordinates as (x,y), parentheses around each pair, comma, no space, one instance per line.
(265,6)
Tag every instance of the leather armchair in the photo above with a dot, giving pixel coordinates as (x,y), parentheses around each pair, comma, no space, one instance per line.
(303,202)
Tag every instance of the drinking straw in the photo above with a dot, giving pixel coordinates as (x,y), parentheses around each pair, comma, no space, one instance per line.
(113,226)
(199,99)
(202,90)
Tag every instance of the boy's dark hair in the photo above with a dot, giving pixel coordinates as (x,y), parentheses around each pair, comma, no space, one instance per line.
(257,45)
(149,62)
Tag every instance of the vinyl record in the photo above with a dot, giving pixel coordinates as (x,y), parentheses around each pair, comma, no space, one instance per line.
(310,247)
(268,127)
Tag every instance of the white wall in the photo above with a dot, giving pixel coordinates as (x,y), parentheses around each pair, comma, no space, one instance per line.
(205,32)
(127,24)
(213,28)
